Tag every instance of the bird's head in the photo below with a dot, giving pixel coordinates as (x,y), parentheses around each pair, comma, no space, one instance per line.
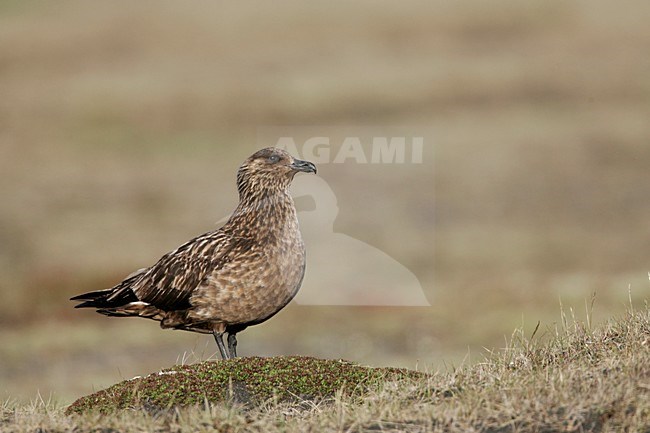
(269,169)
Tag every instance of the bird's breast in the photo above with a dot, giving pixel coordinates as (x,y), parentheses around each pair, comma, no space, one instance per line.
(257,283)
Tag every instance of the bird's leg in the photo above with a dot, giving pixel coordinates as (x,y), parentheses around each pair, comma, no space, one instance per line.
(232,344)
(222,349)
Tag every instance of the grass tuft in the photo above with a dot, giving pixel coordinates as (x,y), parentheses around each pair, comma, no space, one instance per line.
(247,381)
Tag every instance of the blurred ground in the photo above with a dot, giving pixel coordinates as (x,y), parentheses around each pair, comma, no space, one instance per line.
(122,124)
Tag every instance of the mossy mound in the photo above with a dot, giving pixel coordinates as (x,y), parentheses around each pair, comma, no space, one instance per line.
(247,381)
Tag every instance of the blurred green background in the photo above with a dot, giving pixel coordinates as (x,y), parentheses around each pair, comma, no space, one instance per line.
(122,125)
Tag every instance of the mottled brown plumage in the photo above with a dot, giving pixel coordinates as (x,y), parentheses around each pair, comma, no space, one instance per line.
(228,279)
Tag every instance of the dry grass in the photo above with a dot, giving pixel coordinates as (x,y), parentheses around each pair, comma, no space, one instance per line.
(571,379)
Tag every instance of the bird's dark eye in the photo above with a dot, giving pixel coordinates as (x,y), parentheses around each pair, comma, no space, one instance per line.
(274,158)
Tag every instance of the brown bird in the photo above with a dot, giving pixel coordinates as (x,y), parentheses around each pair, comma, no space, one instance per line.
(228,279)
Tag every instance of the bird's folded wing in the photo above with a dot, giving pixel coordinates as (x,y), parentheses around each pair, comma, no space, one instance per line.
(169,283)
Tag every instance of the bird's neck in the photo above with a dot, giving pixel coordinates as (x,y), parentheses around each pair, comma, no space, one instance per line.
(262,213)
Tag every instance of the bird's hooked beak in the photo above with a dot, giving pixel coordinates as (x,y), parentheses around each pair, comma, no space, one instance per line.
(304,166)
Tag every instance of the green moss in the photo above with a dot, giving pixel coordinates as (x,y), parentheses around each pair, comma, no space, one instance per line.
(244,380)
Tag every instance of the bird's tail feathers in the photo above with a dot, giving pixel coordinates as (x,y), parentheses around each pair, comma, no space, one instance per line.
(141,309)
(91,295)
(117,296)
(119,301)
